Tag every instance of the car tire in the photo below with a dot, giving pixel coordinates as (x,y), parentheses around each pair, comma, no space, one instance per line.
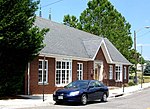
(84,99)
(104,98)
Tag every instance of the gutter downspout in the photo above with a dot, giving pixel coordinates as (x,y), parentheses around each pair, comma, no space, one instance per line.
(28,78)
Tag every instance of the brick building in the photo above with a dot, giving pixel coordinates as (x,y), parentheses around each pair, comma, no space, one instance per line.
(72,54)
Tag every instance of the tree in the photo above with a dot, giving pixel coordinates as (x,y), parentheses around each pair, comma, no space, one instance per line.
(102,19)
(147,68)
(20,42)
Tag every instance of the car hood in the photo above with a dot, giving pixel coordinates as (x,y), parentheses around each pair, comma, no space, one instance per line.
(67,90)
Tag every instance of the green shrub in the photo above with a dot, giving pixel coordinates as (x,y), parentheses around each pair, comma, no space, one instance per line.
(131,83)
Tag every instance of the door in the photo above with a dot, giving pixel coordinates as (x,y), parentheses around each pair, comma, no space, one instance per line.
(92,91)
(98,70)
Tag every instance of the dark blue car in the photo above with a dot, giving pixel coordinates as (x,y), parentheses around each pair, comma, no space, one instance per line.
(82,91)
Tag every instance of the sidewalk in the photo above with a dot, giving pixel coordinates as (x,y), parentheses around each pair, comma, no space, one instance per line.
(37,100)
(127,90)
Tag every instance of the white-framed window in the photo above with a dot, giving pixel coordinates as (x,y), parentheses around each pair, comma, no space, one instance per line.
(125,72)
(79,71)
(43,71)
(118,70)
(110,71)
(63,72)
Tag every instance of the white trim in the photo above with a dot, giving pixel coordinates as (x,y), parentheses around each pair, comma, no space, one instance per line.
(113,62)
(28,78)
(41,69)
(97,50)
(125,72)
(101,66)
(110,72)
(80,71)
(61,69)
(105,52)
(65,57)
(121,73)
(109,57)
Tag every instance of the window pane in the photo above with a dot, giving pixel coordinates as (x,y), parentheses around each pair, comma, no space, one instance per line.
(67,76)
(44,76)
(58,72)
(63,65)
(67,65)
(45,64)
(63,76)
(58,65)
(80,66)
(40,64)
(40,76)
(77,66)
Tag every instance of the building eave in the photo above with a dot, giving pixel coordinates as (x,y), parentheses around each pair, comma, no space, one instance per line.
(65,57)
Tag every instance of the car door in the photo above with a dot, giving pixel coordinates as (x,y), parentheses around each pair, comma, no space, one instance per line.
(92,91)
(99,89)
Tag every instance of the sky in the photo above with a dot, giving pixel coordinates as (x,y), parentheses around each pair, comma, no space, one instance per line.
(136,12)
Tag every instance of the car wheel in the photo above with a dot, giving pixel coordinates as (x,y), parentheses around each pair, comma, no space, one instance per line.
(104,98)
(84,99)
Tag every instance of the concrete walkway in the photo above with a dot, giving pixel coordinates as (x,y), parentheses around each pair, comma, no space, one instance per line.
(37,100)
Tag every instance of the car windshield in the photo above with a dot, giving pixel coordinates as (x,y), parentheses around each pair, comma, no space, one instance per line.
(78,84)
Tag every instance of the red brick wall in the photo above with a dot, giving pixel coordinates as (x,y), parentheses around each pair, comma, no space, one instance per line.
(100,56)
(74,69)
(112,82)
(88,72)
(126,80)
(36,88)
(90,69)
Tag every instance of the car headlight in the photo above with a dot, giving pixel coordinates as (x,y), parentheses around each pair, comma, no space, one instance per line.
(74,93)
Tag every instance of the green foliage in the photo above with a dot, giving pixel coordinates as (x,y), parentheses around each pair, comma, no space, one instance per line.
(20,42)
(147,69)
(131,83)
(102,19)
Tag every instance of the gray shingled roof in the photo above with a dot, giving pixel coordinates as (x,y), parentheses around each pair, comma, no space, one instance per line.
(115,55)
(67,41)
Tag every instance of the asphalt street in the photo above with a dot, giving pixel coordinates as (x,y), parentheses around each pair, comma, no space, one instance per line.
(137,100)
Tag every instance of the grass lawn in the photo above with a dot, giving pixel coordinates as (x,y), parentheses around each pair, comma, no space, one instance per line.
(146,79)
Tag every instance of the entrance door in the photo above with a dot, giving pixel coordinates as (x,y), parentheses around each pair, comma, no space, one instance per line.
(98,70)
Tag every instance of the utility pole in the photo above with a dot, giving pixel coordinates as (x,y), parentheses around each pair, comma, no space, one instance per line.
(43,76)
(40,13)
(141,67)
(135,78)
(50,14)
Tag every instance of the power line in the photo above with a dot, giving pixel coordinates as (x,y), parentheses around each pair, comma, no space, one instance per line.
(52,3)
(144,34)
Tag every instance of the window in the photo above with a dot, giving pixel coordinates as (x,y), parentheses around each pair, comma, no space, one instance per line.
(43,75)
(110,72)
(118,72)
(63,72)
(125,72)
(80,71)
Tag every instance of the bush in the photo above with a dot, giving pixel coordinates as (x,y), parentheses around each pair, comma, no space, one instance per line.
(131,83)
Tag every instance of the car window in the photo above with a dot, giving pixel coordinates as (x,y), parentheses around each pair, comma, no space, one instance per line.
(92,84)
(97,84)
(78,84)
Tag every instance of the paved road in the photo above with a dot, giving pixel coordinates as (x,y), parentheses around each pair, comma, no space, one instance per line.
(138,100)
